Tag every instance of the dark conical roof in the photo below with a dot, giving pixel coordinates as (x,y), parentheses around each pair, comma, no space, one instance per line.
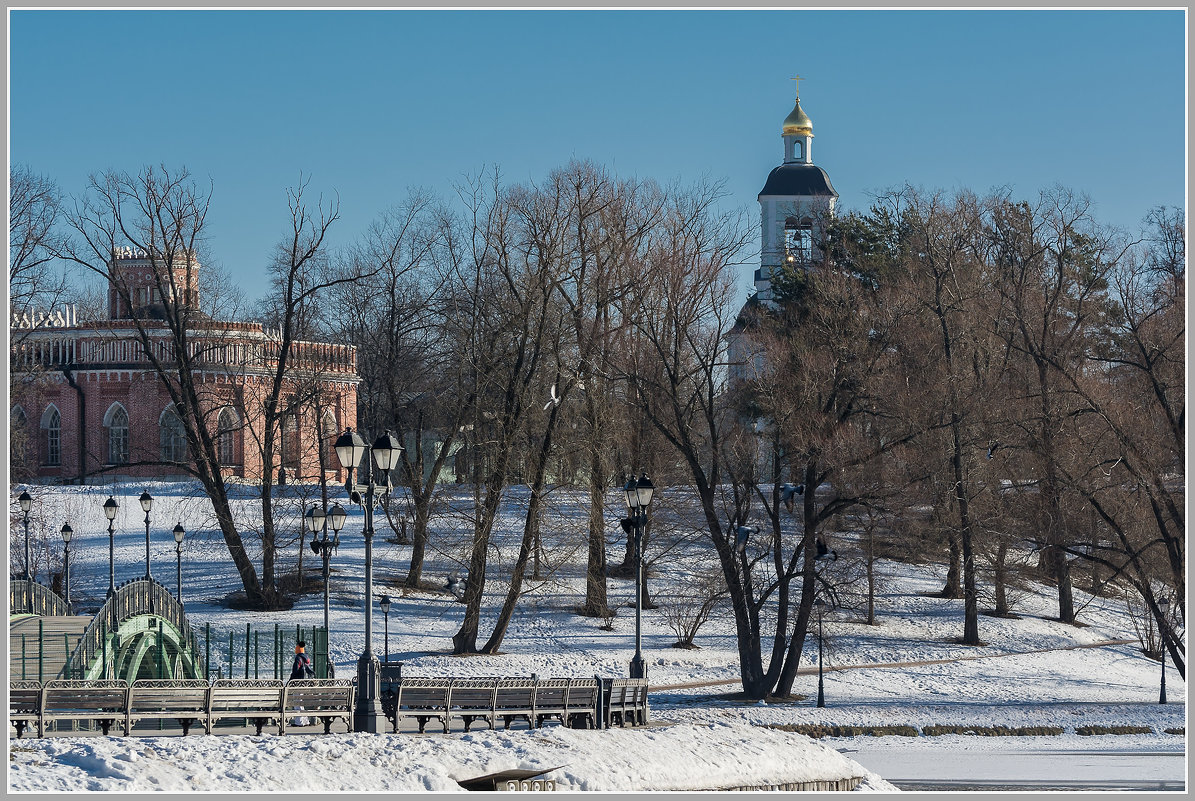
(806,180)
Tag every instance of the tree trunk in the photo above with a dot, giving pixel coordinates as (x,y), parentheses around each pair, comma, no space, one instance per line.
(596,604)
(530,527)
(1000,580)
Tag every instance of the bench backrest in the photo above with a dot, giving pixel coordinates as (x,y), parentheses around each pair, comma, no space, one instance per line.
(582,694)
(515,693)
(316,694)
(473,693)
(168,695)
(85,696)
(423,692)
(550,694)
(246,694)
(24,695)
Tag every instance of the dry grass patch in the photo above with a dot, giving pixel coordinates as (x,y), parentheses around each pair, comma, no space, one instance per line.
(993,731)
(818,731)
(1088,731)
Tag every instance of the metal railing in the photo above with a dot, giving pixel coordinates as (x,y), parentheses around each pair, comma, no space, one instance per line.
(30,598)
(137,597)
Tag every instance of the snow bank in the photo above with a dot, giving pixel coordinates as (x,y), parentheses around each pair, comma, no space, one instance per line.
(682,757)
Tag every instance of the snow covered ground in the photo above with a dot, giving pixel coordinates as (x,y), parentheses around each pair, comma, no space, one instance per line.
(1028,674)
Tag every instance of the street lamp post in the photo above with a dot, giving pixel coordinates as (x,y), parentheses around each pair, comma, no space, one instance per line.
(1163,607)
(147,503)
(67,533)
(384,605)
(638,498)
(26,502)
(820,606)
(318,522)
(110,507)
(350,448)
(179,533)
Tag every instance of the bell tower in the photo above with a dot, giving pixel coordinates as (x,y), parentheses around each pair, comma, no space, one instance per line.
(794,201)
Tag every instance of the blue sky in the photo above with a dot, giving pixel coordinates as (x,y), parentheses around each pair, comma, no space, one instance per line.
(370,103)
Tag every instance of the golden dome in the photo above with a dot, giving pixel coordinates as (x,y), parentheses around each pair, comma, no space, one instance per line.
(797,123)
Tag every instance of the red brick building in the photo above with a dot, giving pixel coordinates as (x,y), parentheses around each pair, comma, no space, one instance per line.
(87,405)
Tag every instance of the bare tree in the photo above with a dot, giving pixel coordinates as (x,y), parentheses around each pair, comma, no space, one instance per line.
(34,240)
(301,276)
(508,322)
(164,214)
(1052,267)
(960,365)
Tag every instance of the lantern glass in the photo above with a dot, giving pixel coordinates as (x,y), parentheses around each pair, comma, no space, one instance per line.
(147,501)
(179,533)
(316,517)
(384,603)
(349,448)
(110,507)
(632,495)
(26,501)
(67,532)
(645,489)
(336,517)
(385,452)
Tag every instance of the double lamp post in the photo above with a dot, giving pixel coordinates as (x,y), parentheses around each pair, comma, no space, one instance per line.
(318,523)
(638,499)
(350,449)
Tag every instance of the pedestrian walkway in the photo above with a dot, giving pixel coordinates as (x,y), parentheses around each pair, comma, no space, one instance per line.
(827,668)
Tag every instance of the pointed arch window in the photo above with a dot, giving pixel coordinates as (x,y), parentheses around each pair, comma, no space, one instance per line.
(226,427)
(51,423)
(18,432)
(329,431)
(116,421)
(290,444)
(172,436)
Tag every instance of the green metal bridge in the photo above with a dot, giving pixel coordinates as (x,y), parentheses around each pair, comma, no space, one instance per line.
(140,632)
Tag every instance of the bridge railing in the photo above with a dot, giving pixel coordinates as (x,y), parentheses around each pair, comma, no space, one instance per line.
(137,597)
(30,598)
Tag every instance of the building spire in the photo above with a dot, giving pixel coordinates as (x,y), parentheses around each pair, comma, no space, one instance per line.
(797,81)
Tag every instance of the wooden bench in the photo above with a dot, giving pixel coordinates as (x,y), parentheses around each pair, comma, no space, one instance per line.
(625,702)
(422,699)
(580,705)
(551,700)
(184,700)
(571,701)
(256,700)
(102,700)
(24,704)
(472,699)
(326,699)
(515,698)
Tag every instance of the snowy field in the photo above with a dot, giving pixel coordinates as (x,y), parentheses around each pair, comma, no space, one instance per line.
(1028,674)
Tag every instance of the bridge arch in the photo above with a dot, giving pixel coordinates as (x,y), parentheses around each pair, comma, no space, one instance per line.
(140,632)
